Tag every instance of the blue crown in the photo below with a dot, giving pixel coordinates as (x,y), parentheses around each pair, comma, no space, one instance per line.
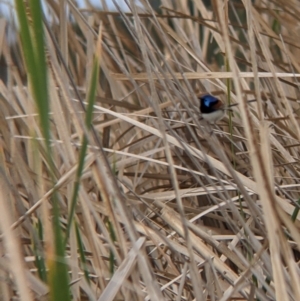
(209,103)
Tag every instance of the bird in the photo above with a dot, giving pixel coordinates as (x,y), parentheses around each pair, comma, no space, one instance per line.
(213,109)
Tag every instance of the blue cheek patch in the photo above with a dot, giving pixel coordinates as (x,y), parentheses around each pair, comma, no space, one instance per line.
(210,101)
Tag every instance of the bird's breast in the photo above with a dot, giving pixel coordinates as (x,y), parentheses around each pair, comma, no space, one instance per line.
(213,117)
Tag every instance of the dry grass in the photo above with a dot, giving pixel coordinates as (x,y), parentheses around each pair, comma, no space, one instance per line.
(169,207)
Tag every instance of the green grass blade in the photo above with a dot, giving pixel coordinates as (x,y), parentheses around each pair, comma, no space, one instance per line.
(296,211)
(33,46)
(88,123)
(39,256)
(81,253)
(58,280)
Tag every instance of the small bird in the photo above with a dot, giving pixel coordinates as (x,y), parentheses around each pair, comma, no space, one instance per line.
(213,109)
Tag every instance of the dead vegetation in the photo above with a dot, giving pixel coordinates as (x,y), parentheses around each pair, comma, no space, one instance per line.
(168,207)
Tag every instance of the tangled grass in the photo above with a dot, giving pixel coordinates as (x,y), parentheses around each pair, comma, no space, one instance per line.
(112,188)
